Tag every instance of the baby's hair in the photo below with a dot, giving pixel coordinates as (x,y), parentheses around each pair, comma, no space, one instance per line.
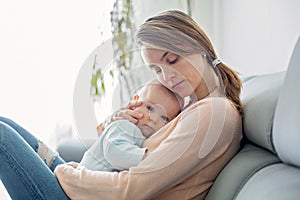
(155,81)
(140,87)
(137,90)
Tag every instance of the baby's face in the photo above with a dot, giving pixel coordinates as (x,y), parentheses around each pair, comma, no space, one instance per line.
(159,107)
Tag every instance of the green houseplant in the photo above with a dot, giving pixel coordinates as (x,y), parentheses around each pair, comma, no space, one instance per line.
(122,26)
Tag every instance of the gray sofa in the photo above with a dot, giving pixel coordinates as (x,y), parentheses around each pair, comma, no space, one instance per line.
(268,163)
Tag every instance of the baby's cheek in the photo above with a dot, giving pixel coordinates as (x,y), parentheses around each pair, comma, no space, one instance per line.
(144,119)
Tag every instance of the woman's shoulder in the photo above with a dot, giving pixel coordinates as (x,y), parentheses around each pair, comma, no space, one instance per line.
(212,108)
(212,104)
(212,112)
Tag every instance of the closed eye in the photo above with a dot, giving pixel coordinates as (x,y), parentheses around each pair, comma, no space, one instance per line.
(172,62)
(165,118)
(171,58)
(150,108)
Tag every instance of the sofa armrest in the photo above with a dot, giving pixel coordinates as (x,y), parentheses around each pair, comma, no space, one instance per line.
(73,149)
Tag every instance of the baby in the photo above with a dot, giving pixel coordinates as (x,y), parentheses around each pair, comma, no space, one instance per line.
(119,146)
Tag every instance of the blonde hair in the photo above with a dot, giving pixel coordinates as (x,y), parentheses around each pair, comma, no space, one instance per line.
(177,32)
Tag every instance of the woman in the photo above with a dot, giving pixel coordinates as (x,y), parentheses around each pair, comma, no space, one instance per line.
(186,155)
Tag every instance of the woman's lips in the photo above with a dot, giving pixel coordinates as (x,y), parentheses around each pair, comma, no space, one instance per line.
(175,86)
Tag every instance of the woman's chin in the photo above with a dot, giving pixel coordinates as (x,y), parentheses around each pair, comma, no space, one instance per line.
(183,90)
(183,93)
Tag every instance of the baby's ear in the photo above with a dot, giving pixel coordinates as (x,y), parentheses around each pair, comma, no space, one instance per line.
(135,97)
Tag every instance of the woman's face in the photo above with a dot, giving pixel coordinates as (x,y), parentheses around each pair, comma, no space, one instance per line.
(180,75)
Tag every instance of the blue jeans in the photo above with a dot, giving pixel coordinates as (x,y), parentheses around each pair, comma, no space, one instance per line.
(24,174)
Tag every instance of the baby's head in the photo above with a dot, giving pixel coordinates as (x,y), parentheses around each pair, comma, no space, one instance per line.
(160,106)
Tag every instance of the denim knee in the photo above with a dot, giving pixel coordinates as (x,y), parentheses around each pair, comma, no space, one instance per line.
(5,120)
(3,130)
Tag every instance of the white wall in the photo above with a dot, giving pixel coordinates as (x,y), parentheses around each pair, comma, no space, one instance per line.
(147,8)
(252,36)
(42,46)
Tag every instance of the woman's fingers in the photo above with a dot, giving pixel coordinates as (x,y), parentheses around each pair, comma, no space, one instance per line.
(115,118)
(128,114)
(73,164)
(133,104)
(135,114)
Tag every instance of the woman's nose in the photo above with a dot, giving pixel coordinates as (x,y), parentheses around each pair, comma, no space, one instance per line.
(167,73)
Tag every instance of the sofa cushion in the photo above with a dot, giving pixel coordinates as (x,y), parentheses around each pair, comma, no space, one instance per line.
(239,170)
(286,129)
(71,149)
(259,97)
(276,182)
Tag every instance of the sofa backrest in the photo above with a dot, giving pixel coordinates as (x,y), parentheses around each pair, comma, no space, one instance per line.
(259,96)
(268,164)
(286,127)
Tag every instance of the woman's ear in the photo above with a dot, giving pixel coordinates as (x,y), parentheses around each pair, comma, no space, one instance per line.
(135,97)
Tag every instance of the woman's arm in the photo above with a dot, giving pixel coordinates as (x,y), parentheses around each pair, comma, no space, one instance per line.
(196,139)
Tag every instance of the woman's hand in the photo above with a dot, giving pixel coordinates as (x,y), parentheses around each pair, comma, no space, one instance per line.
(128,112)
(66,174)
